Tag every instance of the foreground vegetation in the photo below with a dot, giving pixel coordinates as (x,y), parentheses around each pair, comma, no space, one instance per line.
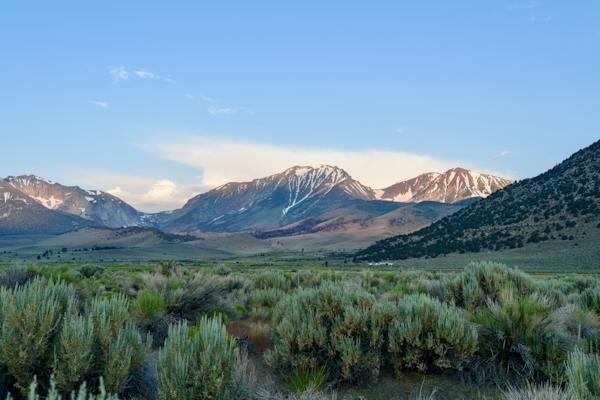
(168,332)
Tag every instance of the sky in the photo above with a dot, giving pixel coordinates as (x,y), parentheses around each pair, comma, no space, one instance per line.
(156,102)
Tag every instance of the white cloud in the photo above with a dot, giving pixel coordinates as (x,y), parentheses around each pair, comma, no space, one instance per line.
(214,108)
(144,73)
(161,191)
(225,160)
(222,110)
(118,74)
(144,193)
(101,104)
(503,154)
(208,99)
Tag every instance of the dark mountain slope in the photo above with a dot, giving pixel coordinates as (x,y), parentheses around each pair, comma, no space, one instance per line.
(561,204)
(21,214)
(100,207)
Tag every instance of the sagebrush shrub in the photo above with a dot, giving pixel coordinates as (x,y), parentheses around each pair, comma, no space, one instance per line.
(511,332)
(482,281)
(81,394)
(31,318)
(328,327)
(265,297)
(272,280)
(124,355)
(44,332)
(424,333)
(198,296)
(564,330)
(196,363)
(74,351)
(583,375)
(12,277)
(590,299)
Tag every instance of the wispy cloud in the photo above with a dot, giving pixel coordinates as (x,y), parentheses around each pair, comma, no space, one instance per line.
(118,74)
(225,160)
(532,8)
(522,5)
(502,154)
(222,110)
(101,104)
(213,106)
(145,73)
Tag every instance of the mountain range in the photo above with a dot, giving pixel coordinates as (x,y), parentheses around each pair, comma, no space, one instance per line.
(299,200)
(97,207)
(560,208)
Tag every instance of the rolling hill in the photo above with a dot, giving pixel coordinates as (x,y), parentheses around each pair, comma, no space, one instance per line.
(561,206)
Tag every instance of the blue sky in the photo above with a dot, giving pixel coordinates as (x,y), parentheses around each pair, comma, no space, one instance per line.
(157,101)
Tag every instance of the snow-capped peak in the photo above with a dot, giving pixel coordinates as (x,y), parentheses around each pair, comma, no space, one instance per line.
(453,185)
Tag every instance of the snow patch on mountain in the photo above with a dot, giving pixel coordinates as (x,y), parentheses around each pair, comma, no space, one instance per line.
(453,185)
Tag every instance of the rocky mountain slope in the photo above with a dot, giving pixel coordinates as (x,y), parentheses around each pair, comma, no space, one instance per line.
(299,200)
(453,185)
(294,194)
(21,214)
(102,208)
(292,200)
(561,205)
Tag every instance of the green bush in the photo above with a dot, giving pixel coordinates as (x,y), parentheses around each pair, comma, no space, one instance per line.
(81,394)
(482,281)
(148,305)
(196,363)
(329,327)
(265,297)
(301,380)
(74,351)
(272,280)
(12,277)
(42,332)
(590,299)
(564,330)
(511,332)
(125,354)
(424,333)
(31,317)
(198,296)
(583,375)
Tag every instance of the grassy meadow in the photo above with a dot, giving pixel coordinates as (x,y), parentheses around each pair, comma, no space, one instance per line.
(293,326)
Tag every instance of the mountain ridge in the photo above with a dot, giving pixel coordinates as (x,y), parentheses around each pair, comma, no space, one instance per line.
(93,205)
(561,204)
(299,194)
(450,186)
(21,214)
